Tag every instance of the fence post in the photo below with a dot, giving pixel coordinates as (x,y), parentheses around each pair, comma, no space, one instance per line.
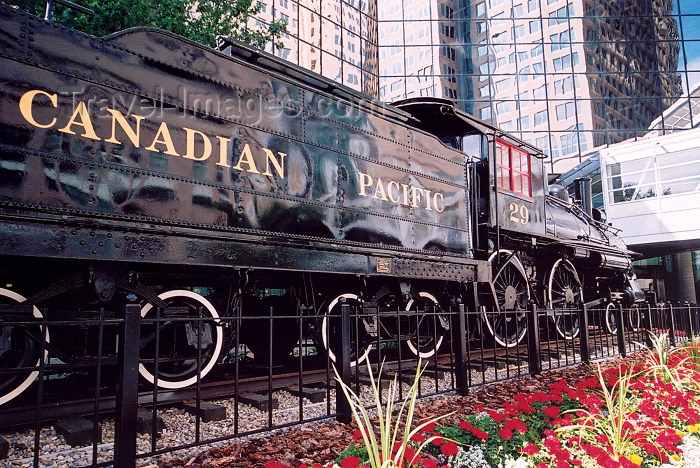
(342,404)
(127,388)
(690,324)
(650,327)
(621,345)
(583,333)
(534,354)
(671,326)
(459,350)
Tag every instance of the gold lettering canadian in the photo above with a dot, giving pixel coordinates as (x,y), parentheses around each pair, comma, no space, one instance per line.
(198,146)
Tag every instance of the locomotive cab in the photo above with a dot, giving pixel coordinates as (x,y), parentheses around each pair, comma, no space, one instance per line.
(508,179)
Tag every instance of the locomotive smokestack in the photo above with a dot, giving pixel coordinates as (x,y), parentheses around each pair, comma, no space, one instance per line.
(582,189)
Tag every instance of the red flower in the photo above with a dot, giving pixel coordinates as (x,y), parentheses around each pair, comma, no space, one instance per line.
(410,455)
(498,417)
(418,438)
(505,434)
(275,464)
(357,435)
(430,427)
(438,441)
(551,411)
(449,448)
(428,463)
(465,425)
(350,462)
(531,449)
(515,424)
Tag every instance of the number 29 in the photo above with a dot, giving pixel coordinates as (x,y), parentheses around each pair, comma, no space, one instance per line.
(519,213)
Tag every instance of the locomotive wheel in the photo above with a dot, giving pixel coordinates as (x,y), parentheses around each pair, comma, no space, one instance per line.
(19,347)
(565,295)
(178,341)
(330,330)
(430,329)
(610,319)
(634,318)
(508,325)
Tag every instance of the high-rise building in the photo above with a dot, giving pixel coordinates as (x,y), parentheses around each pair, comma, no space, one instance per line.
(564,75)
(335,38)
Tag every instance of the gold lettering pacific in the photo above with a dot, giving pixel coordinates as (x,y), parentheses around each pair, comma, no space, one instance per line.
(400,194)
(198,146)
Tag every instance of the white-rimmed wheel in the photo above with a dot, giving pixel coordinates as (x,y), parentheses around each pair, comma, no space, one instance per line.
(508,324)
(611,318)
(180,344)
(427,331)
(634,318)
(360,345)
(20,346)
(565,294)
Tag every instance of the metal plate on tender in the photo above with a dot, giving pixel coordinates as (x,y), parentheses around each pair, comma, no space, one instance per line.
(383,265)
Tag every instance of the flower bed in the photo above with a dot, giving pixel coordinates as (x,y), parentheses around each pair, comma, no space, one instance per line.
(647,415)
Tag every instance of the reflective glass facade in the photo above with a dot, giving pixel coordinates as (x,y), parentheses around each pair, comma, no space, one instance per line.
(335,38)
(564,75)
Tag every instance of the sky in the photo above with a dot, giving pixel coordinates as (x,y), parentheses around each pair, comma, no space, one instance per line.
(690,11)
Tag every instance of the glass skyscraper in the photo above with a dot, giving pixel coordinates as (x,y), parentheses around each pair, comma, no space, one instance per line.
(564,75)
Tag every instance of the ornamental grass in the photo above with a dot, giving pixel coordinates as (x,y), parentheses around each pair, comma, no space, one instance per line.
(644,416)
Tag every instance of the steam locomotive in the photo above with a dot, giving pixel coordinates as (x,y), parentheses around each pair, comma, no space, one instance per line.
(144,167)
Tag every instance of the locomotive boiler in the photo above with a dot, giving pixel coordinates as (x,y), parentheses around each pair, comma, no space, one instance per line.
(144,167)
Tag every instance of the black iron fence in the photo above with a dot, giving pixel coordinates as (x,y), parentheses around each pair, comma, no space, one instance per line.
(129,386)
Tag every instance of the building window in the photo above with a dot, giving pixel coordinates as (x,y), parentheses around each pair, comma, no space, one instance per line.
(565,85)
(524,123)
(539,93)
(502,107)
(565,111)
(513,169)
(541,118)
(570,142)
(503,85)
(517,11)
(543,144)
(524,99)
(667,174)
(560,16)
(563,63)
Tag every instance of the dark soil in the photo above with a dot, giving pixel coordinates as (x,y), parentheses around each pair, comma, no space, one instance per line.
(324,443)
